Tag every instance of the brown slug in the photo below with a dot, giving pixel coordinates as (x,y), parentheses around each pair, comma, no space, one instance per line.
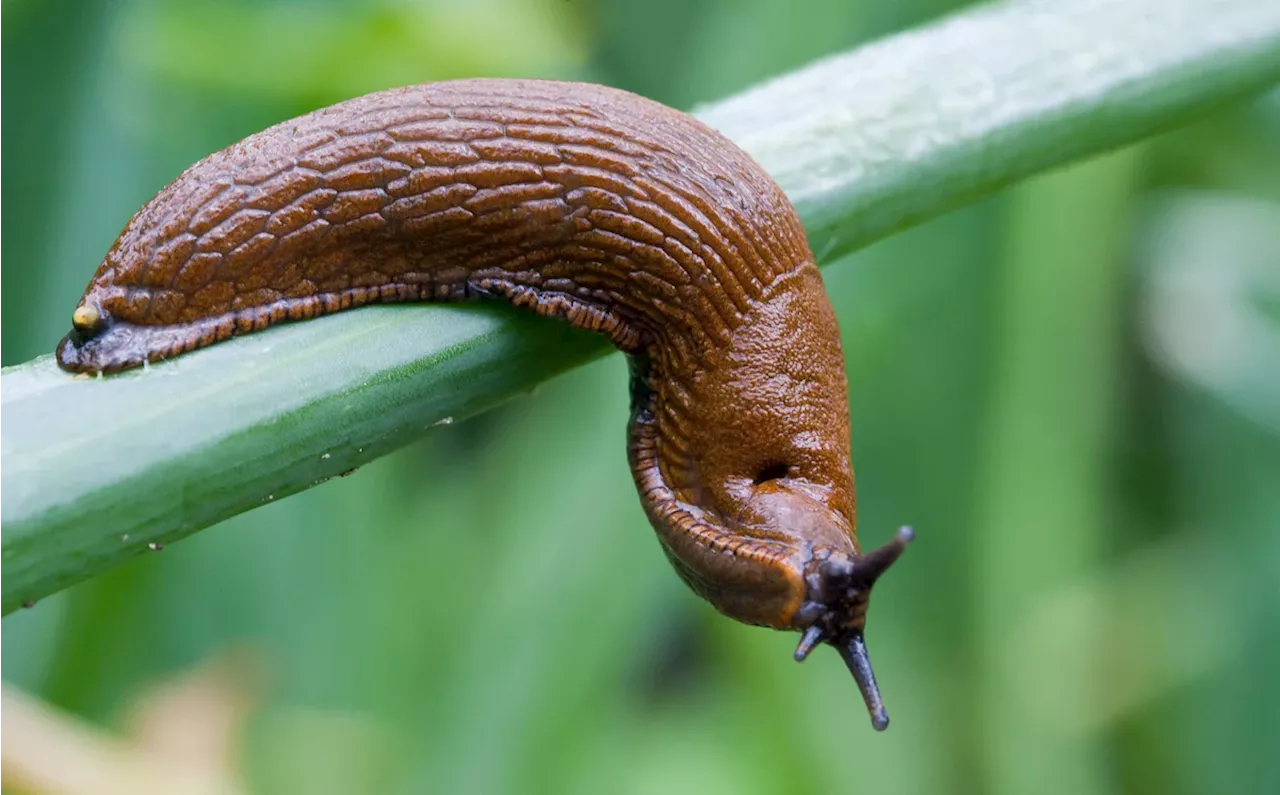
(587,203)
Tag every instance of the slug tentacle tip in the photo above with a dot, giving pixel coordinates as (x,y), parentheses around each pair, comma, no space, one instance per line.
(808,642)
(869,567)
(853,650)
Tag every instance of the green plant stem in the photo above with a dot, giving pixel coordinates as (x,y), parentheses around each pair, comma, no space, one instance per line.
(1043,501)
(866,143)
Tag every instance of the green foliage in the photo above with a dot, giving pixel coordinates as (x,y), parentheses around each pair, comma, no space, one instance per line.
(1041,383)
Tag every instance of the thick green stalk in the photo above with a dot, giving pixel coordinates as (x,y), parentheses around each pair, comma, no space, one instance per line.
(1043,498)
(865,143)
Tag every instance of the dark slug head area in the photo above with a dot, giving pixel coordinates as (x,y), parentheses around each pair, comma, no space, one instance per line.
(839,590)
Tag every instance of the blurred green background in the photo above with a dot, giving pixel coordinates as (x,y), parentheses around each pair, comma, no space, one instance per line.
(1071,390)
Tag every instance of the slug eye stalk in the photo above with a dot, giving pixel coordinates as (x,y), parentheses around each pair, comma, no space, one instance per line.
(853,650)
(839,622)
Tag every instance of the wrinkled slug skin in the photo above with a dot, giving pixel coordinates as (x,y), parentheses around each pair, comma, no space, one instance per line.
(591,204)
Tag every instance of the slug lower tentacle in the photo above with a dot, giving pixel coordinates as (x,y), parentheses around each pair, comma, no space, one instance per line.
(591,204)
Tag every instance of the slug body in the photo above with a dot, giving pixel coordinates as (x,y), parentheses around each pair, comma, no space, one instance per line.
(591,204)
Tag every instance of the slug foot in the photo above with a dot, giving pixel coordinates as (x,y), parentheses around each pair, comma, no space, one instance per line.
(579,313)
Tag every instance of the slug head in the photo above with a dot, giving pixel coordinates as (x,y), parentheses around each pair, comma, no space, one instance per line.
(830,580)
(765,456)
(839,587)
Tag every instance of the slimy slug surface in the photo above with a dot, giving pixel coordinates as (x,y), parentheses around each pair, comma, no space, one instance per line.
(613,212)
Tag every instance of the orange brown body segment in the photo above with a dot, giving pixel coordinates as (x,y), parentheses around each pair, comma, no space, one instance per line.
(611,211)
